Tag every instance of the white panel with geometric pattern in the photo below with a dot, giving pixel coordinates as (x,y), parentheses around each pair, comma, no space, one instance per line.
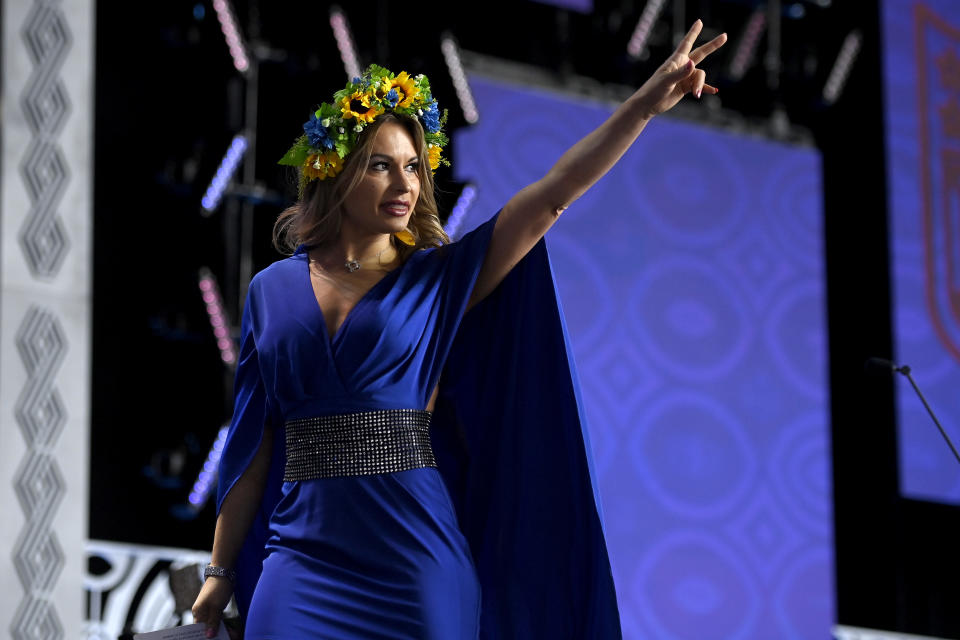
(45,288)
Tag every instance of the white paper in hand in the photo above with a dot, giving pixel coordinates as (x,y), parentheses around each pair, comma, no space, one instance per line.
(187,632)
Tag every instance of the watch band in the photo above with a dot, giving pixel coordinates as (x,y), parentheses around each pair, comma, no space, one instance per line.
(219,572)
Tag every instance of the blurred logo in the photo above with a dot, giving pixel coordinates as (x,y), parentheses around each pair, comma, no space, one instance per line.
(938,75)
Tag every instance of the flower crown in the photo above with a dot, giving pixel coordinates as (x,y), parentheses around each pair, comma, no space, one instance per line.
(333,129)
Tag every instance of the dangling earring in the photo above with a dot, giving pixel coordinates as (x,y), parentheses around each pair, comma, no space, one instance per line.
(405,237)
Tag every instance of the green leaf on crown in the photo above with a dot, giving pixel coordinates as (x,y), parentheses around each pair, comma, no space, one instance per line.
(302,185)
(297,154)
(343,93)
(423,84)
(328,110)
(376,71)
(439,138)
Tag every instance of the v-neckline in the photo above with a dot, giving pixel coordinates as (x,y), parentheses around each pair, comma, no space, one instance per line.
(331,339)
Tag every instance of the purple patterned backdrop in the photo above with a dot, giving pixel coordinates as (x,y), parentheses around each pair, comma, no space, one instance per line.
(922,79)
(692,281)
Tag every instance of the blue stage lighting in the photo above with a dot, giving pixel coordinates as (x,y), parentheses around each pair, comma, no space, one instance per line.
(207,478)
(227,167)
(467,196)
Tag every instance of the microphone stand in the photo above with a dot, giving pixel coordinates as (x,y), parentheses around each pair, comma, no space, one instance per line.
(905,370)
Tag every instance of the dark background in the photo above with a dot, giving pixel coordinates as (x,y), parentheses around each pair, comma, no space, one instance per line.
(168,102)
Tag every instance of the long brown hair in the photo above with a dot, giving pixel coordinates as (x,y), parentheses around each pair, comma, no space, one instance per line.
(315,218)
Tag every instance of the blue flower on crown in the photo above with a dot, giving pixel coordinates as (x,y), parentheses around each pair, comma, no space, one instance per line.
(317,134)
(431,117)
(392,98)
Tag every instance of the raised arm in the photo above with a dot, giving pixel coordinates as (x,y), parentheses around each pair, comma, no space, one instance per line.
(529,213)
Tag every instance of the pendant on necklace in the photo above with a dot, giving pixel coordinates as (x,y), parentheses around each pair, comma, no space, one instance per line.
(352,265)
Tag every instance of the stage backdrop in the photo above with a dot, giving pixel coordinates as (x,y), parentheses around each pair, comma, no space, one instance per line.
(921,46)
(692,281)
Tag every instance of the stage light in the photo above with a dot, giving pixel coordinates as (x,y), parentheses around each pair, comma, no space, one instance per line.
(222,178)
(214,306)
(228,25)
(341,32)
(747,47)
(207,478)
(451,54)
(467,196)
(218,318)
(796,11)
(638,41)
(841,67)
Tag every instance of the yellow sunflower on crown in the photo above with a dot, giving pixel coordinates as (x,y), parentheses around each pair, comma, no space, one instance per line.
(360,105)
(405,87)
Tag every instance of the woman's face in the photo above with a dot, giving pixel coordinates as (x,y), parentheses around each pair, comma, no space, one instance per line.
(384,199)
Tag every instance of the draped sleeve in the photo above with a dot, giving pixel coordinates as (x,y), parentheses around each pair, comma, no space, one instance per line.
(252,413)
(451,272)
(511,441)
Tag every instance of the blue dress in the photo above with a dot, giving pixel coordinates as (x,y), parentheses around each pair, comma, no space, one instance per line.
(480,547)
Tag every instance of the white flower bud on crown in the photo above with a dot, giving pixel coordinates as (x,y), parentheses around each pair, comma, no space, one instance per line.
(358,128)
(342,130)
(325,122)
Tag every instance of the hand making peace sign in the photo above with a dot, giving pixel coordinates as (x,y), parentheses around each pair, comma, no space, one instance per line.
(679,75)
(530,212)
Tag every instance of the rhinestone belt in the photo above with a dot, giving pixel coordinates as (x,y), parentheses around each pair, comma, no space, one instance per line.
(358,444)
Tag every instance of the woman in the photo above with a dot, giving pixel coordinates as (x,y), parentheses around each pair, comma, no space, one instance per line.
(363,538)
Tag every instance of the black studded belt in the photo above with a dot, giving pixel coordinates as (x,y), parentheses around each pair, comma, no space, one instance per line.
(358,444)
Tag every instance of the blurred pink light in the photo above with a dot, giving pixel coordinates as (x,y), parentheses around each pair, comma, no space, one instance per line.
(218,320)
(228,25)
(841,67)
(748,44)
(341,33)
(451,56)
(638,41)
